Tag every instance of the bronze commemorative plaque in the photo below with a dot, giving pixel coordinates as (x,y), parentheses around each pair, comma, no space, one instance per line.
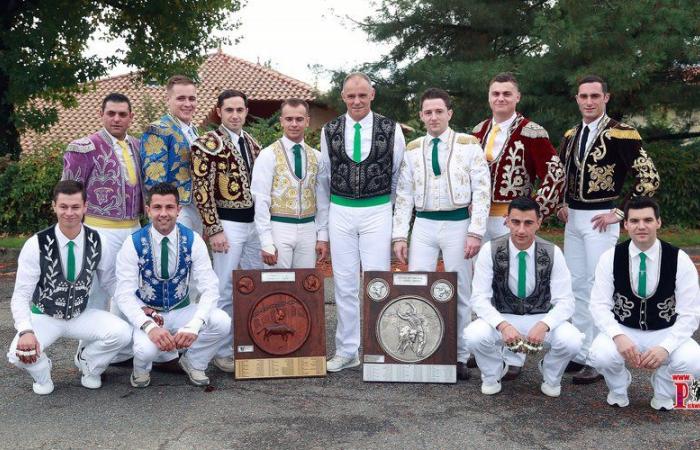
(279,323)
(410,321)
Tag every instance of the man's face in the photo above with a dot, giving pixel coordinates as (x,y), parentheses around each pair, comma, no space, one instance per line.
(69,209)
(503,98)
(163,212)
(294,120)
(591,101)
(233,113)
(357,95)
(523,226)
(116,118)
(182,102)
(435,115)
(641,224)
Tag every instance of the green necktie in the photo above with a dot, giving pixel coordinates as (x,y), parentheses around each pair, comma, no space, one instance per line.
(642,284)
(164,258)
(297,160)
(522,274)
(436,163)
(357,144)
(71,261)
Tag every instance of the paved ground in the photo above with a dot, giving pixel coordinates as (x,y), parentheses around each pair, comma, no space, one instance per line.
(339,411)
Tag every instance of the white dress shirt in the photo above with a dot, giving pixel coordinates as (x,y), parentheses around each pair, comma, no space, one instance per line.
(502,136)
(29,273)
(261,188)
(201,274)
(593,130)
(366,139)
(438,190)
(562,298)
(687,293)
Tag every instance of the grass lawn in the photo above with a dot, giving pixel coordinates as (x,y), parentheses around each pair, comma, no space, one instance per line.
(12,241)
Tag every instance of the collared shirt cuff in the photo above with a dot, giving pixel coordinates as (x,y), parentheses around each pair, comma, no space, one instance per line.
(193,326)
(613,330)
(24,325)
(271,249)
(322,236)
(669,345)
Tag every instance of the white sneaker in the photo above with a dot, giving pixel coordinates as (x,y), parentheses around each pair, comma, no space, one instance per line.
(225,364)
(338,363)
(661,404)
(549,390)
(495,388)
(43,388)
(87,380)
(140,381)
(619,400)
(197,377)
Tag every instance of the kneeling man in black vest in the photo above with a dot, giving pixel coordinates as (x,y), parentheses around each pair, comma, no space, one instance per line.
(646,303)
(522,296)
(155,271)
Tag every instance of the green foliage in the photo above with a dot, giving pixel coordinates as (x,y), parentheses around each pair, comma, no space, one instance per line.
(27,184)
(267,131)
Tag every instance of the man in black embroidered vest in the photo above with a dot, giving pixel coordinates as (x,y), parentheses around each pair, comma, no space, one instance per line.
(597,156)
(522,296)
(364,152)
(56,268)
(646,303)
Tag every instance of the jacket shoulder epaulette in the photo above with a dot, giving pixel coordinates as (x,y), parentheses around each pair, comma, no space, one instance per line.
(466,139)
(209,142)
(624,131)
(82,145)
(534,130)
(414,144)
(570,132)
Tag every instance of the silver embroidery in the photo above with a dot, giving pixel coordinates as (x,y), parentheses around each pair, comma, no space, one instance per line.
(623,306)
(667,308)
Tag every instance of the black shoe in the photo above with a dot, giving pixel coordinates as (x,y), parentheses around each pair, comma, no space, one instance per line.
(512,373)
(462,371)
(587,375)
(574,367)
(471,362)
(171,366)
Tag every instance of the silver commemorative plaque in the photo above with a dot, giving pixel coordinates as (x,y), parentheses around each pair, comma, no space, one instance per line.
(442,290)
(410,329)
(378,289)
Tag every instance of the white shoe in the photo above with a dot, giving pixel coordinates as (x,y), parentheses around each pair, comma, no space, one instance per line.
(491,389)
(87,380)
(140,381)
(661,404)
(43,388)
(549,390)
(618,400)
(338,363)
(197,377)
(225,364)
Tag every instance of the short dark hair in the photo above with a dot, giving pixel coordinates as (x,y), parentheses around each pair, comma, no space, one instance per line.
(293,103)
(115,97)
(230,93)
(162,189)
(436,93)
(505,77)
(178,79)
(642,202)
(594,79)
(525,204)
(68,187)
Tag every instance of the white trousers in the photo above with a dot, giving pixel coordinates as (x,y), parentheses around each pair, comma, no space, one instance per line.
(582,249)
(189,217)
(215,331)
(428,239)
(487,345)
(610,363)
(243,252)
(360,238)
(295,244)
(102,333)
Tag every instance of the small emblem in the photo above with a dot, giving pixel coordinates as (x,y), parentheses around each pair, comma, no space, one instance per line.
(378,289)
(245,285)
(312,283)
(442,290)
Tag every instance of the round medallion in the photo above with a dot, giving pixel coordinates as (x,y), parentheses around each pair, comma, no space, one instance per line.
(312,283)
(279,324)
(409,329)
(442,290)
(245,285)
(378,289)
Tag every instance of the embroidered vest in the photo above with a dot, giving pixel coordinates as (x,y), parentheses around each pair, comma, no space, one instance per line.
(658,310)
(539,301)
(156,292)
(369,178)
(54,295)
(291,196)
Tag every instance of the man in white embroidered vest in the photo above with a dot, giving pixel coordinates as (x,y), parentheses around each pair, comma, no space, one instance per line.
(646,303)
(442,175)
(291,206)
(155,271)
(523,299)
(55,270)
(222,165)
(363,151)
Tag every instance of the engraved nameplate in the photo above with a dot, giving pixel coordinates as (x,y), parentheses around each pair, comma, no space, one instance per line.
(410,279)
(310,366)
(245,348)
(271,277)
(410,373)
(374,358)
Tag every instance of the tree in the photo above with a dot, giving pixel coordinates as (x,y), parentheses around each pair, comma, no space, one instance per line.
(43,44)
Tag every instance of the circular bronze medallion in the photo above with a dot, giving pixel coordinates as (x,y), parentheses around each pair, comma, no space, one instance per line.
(246,285)
(312,283)
(279,324)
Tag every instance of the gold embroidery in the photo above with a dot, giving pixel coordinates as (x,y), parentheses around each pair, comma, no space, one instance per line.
(414,144)
(631,133)
(601,178)
(598,152)
(155,171)
(466,139)
(153,145)
(183,174)
(648,177)
(569,133)
(515,178)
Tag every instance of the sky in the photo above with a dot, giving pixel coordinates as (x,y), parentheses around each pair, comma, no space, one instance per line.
(293,35)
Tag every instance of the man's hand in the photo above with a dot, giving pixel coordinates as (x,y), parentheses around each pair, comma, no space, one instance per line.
(471,247)
(537,332)
(628,350)
(162,338)
(509,333)
(401,251)
(601,221)
(269,258)
(183,339)
(322,250)
(219,243)
(654,357)
(563,214)
(26,343)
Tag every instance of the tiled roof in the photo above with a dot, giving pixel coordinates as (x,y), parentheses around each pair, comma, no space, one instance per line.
(219,71)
